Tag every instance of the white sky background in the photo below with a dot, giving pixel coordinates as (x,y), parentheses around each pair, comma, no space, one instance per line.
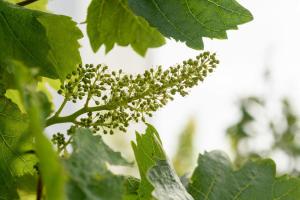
(272,39)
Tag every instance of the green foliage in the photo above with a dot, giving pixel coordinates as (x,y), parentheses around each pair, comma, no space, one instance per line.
(286,139)
(190,21)
(284,132)
(12,125)
(238,131)
(62,35)
(86,167)
(5,81)
(30,37)
(15,97)
(215,179)
(158,178)
(111,22)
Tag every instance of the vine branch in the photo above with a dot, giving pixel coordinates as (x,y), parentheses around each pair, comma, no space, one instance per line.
(26,2)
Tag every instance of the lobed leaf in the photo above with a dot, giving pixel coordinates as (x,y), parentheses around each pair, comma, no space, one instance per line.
(215,179)
(89,176)
(191,20)
(30,37)
(111,22)
(158,178)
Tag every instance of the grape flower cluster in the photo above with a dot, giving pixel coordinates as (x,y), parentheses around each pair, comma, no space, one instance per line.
(114,99)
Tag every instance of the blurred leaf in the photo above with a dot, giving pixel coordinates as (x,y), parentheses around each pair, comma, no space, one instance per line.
(215,179)
(157,176)
(184,157)
(111,22)
(27,185)
(31,37)
(53,83)
(6,80)
(132,185)
(37,107)
(12,124)
(190,21)
(287,139)
(239,131)
(89,176)
(15,97)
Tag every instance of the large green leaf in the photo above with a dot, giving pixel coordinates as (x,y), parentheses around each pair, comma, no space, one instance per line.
(112,22)
(215,179)
(62,35)
(89,176)
(191,20)
(158,178)
(12,124)
(32,38)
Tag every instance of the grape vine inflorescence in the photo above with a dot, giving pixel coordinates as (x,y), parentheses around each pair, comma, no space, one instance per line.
(114,99)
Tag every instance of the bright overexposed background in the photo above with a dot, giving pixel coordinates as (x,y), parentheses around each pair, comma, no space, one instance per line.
(271,41)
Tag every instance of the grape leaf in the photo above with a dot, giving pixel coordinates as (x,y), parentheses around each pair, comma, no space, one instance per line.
(15,97)
(112,22)
(30,37)
(157,176)
(89,176)
(132,185)
(191,20)
(62,35)
(12,125)
(215,179)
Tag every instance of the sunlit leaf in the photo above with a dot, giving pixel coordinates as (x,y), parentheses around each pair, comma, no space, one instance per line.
(158,178)
(191,20)
(31,38)
(111,22)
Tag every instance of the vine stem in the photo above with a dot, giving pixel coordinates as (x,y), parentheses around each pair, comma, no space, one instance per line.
(61,107)
(71,118)
(39,192)
(26,2)
(55,119)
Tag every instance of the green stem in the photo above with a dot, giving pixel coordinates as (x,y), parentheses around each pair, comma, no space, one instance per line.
(71,118)
(26,2)
(61,107)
